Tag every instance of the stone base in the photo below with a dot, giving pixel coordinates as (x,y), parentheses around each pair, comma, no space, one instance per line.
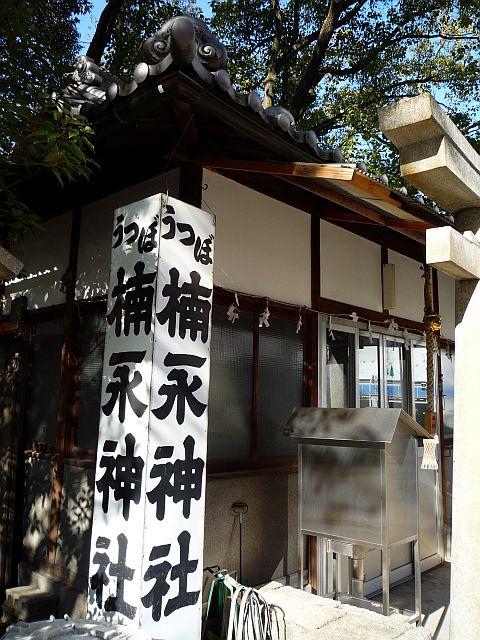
(310,617)
(67,628)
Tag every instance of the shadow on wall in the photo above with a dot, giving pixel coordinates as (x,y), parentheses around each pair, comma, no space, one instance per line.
(74,531)
(45,256)
(269,535)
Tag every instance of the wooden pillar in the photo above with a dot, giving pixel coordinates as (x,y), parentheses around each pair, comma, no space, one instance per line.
(383,262)
(190,186)
(315,223)
(68,397)
(311,394)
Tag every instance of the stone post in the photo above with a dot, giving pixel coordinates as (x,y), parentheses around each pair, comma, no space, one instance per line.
(436,158)
(465,555)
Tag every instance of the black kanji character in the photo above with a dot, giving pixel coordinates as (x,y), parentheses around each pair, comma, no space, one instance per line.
(123,387)
(170,221)
(100,578)
(180,391)
(134,301)
(183,227)
(180,572)
(123,475)
(118,231)
(187,478)
(134,229)
(187,302)
(202,250)
(159,573)
(121,572)
(146,241)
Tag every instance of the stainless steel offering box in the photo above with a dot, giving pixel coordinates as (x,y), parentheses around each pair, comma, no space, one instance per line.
(358,491)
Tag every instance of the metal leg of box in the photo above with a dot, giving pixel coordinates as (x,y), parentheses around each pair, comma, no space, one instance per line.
(418,579)
(386,580)
(322,566)
(301,553)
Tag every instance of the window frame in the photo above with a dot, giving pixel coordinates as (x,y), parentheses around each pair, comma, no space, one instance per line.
(335,326)
(435,378)
(383,335)
(408,364)
(381,364)
(285,311)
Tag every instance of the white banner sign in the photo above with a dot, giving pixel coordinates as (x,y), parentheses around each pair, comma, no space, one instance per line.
(147,539)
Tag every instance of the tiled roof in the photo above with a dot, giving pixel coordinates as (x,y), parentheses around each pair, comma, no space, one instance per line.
(186,44)
(183,43)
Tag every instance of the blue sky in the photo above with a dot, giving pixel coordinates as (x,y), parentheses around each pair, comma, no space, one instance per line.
(88,22)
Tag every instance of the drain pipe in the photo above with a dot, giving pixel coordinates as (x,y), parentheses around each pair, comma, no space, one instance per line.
(239,509)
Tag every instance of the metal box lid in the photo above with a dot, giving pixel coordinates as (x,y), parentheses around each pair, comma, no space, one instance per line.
(312,425)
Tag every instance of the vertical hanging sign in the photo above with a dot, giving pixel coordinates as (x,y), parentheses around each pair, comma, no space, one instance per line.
(146,558)
(177,447)
(115,554)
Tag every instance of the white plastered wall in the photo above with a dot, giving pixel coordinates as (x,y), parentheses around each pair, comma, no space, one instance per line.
(350,268)
(45,257)
(446,300)
(262,246)
(408,287)
(96,232)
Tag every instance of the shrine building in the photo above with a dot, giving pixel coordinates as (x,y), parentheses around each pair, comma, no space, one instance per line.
(319,300)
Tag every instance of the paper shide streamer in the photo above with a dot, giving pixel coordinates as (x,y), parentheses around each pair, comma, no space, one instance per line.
(233,311)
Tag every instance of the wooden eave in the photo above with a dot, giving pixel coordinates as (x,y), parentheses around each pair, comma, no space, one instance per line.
(360,198)
(171,120)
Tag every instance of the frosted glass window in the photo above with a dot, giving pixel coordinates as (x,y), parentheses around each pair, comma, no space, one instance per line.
(340,369)
(419,363)
(280,384)
(230,396)
(91,366)
(396,375)
(448,370)
(44,383)
(369,371)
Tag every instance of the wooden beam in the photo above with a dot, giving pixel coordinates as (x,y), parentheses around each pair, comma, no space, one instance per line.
(335,307)
(68,397)
(409,225)
(299,169)
(255,388)
(315,260)
(252,466)
(310,360)
(348,202)
(391,223)
(341,172)
(383,262)
(390,196)
(190,184)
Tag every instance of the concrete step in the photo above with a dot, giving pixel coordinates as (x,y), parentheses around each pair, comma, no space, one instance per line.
(304,616)
(35,601)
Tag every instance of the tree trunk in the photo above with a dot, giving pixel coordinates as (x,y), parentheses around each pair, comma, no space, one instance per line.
(271,77)
(105,26)
(305,92)
(269,86)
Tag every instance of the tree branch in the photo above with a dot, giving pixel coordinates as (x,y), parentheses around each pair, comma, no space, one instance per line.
(310,78)
(441,36)
(105,26)
(296,21)
(335,122)
(349,15)
(392,39)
